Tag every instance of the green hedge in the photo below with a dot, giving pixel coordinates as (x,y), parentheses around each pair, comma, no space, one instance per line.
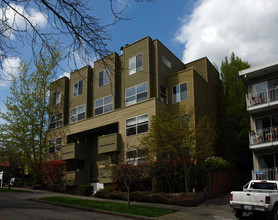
(85,190)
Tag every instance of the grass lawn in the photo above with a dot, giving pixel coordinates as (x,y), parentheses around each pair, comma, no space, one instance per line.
(112,206)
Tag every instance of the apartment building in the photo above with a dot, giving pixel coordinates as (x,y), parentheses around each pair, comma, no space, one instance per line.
(262,105)
(99,114)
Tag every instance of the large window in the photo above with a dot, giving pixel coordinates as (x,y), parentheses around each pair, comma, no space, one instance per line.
(77,114)
(163,94)
(135,64)
(56,121)
(136,94)
(104,105)
(103,78)
(137,125)
(56,98)
(136,157)
(78,88)
(55,145)
(179,93)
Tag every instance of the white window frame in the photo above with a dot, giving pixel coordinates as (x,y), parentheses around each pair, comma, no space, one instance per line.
(166,62)
(177,97)
(56,121)
(76,88)
(56,144)
(134,96)
(134,64)
(104,104)
(79,110)
(105,79)
(56,97)
(137,124)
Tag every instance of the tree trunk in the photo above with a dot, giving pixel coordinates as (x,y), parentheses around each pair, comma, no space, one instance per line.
(128,197)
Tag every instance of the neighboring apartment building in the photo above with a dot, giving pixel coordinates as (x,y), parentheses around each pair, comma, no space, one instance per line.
(100,111)
(262,105)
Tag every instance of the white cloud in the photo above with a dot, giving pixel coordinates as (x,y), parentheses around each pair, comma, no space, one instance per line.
(10,69)
(216,28)
(16,21)
(67,74)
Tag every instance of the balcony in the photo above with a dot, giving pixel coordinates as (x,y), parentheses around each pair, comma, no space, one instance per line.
(104,174)
(263,138)
(74,178)
(262,100)
(108,143)
(265,174)
(74,151)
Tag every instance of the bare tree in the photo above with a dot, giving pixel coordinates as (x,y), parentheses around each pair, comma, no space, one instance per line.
(66,19)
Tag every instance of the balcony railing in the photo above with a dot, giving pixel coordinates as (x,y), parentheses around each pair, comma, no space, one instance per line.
(263,136)
(263,96)
(265,174)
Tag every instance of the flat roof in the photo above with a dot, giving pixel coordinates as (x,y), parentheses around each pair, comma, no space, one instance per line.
(259,70)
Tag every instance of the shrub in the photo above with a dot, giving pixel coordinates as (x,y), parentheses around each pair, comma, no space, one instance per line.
(157,198)
(100,193)
(109,188)
(217,163)
(85,190)
(116,195)
(139,196)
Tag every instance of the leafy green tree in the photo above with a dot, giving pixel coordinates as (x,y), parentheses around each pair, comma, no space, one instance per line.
(179,138)
(234,117)
(26,118)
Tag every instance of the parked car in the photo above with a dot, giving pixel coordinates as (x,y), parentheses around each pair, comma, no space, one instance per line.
(15,180)
(258,196)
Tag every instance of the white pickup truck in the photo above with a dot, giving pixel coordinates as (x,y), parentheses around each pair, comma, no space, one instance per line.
(258,196)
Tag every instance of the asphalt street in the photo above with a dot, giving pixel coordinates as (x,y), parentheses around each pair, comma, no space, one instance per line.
(17,205)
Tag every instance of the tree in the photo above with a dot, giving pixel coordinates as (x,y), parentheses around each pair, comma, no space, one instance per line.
(178,138)
(125,174)
(235,123)
(67,19)
(26,118)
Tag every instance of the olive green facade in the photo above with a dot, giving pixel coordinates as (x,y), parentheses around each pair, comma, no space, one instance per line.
(105,115)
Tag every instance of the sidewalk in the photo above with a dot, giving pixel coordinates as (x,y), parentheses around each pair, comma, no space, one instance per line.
(217,208)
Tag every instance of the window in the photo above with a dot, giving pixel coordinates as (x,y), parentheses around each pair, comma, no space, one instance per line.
(137,125)
(56,98)
(136,94)
(104,105)
(77,88)
(163,94)
(135,64)
(55,145)
(136,157)
(103,78)
(166,62)
(56,121)
(77,114)
(179,93)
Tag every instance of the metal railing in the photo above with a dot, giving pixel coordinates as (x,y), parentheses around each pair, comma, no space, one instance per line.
(265,174)
(263,96)
(263,136)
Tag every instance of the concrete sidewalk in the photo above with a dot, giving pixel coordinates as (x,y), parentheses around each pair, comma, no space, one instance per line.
(214,209)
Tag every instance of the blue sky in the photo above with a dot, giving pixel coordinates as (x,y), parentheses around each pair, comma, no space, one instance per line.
(191,29)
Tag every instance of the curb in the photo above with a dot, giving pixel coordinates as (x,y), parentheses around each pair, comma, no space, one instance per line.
(95,210)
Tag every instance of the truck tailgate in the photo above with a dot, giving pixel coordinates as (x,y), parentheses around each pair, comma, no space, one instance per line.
(248,198)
